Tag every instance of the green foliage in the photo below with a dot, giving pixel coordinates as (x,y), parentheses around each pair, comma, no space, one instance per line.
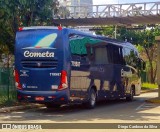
(149,86)
(106,30)
(139,48)
(16,13)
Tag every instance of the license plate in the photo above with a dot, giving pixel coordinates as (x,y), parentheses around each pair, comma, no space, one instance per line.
(39,98)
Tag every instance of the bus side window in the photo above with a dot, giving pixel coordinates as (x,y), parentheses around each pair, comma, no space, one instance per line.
(115,55)
(101,56)
(126,55)
(120,55)
(131,57)
(78,49)
(90,52)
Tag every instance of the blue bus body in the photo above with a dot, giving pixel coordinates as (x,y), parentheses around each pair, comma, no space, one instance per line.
(60,66)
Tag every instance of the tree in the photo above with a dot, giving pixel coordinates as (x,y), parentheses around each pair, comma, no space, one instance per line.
(105,30)
(16,13)
(146,40)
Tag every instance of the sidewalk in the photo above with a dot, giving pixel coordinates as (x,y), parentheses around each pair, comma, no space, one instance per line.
(20,107)
(152,100)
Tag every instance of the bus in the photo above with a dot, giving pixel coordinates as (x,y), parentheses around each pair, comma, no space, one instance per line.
(56,66)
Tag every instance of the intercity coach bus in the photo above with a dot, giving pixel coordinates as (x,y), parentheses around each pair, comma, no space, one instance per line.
(55,66)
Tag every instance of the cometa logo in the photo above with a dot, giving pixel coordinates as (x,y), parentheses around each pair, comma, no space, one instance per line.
(38,54)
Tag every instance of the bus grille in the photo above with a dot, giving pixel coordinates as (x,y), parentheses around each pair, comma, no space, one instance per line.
(39,63)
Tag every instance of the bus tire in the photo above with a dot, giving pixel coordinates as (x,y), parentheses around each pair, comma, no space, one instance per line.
(131,96)
(50,105)
(91,103)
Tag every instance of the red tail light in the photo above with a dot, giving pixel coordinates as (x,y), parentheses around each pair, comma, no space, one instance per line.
(59,27)
(17,81)
(63,83)
(20,28)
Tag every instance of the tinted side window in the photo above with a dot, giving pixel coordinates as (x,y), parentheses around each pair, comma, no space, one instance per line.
(115,55)
(101,55)
(78,47)
(130,56)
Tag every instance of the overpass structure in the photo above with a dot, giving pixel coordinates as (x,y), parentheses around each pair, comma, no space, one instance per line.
(110,14)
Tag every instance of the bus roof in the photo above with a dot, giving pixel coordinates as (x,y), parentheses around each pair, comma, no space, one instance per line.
(107,39)
(78,32)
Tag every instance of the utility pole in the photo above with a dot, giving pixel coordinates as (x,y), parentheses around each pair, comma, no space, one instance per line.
(157,38)
(115,32)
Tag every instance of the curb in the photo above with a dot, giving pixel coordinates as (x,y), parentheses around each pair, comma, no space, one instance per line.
(154,100)
(147,91)
(14,108)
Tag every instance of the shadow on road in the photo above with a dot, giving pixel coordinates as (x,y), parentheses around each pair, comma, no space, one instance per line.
(107,110)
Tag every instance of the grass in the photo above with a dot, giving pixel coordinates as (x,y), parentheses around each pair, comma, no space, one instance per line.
(149,86)
(154,100)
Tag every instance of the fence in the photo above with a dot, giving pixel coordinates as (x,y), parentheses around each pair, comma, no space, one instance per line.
(7,85)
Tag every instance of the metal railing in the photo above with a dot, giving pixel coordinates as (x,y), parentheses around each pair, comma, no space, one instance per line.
(111,10)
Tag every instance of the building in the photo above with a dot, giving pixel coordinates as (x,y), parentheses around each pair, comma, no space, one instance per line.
(78,7)
(64,10)
(65,2)
(83,7)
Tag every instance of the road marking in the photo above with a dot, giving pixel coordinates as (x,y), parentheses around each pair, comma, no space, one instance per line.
(147,106)
(139,107)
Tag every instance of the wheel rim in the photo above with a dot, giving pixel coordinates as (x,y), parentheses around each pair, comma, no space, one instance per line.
(93,99)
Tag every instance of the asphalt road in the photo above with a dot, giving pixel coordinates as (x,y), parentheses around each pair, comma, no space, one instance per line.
(121,111)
